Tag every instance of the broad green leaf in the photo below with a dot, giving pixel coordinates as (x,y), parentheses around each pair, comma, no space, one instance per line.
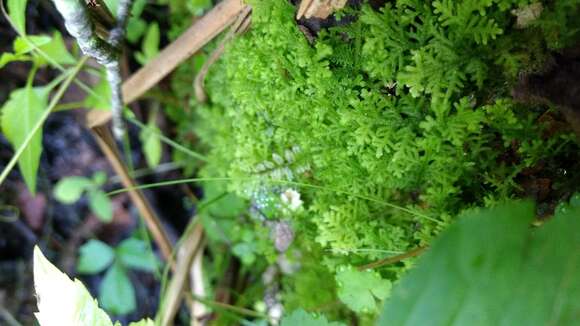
(492,268)
(151,143)
(70,189)
(17,13)
(56,50)
(150,46)
(19,115)
(23,45)
(135,29)
(360,290)
(104,91)
(136,254)
(302,318)
(117,294)
(136,26)
(95,256)
(62,301)
(100,205)
(54,47)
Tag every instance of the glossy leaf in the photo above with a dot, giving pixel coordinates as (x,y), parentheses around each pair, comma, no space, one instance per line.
(100,205)
(19,115)
(492,268)
(70,189)
(62,301)
(135,253)
(95,256)
(117,294)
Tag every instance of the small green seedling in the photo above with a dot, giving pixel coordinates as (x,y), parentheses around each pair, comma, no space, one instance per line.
(70,190)
(116,294)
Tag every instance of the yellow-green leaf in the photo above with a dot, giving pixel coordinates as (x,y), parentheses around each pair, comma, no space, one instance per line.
(17,13)
(62,301)
(19,115)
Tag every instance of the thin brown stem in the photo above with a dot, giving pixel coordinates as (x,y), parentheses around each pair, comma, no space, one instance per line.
(394,259)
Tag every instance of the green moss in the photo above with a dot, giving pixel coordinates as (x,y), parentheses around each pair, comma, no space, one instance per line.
(407,106)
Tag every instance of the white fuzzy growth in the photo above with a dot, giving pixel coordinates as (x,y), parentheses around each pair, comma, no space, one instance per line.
(114,79)
(123,12)
(79,25)
(291,198)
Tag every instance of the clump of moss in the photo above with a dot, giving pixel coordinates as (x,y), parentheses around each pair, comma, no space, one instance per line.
(388,126)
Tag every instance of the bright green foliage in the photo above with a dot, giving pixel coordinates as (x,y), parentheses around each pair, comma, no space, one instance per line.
(116,293)
(18,116)
(52,47)
(150,46)
(392,107)
(70,189)
(17,13)
(302,318)
(360,290)
(399,121)
(476,273)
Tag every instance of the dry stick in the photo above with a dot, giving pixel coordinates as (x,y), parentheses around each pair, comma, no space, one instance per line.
(198,309)
(197,36)
(203,31)
(318,8)
(191,243)
(241,24)
(191,41)
(394,259)
(108,146)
